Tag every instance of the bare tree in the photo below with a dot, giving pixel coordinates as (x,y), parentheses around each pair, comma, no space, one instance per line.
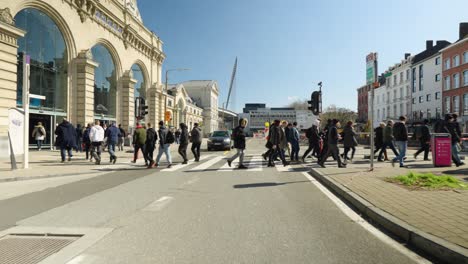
(340,113)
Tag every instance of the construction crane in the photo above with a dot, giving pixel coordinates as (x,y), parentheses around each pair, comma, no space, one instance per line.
(233,77)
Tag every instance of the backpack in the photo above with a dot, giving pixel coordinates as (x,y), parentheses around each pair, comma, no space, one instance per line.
(170,137)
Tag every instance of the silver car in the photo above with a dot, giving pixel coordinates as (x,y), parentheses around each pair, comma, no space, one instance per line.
(220,140)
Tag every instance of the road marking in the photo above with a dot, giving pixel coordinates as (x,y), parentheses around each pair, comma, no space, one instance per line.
(282,168)
(361,221)
(255,164)
(226,168)
(180,165)
(207,164)
(159,204)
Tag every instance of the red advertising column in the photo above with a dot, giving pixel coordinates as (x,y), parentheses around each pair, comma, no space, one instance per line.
(441,150)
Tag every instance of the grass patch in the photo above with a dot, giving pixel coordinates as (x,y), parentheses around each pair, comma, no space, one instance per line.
(429,181)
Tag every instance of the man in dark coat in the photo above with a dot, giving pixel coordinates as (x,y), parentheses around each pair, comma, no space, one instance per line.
(424,140)
(378,142)
(238,135)
(196,139)
(183,142)
(313,136)
(333,149)
(349,141)
(450,126)
(150,143)
(66,139)
(325,140)
(166,138)
(120,144)
(112,134)
(79,138)
(277,141)
(400,133)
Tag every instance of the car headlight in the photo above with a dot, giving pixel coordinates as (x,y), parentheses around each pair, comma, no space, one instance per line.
(227,140)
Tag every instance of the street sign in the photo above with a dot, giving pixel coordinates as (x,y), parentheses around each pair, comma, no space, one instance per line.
(371,73)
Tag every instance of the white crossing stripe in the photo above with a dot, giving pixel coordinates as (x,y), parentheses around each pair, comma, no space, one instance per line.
(226,168)
(180,165)
(255,164)
(281,168)
(207,164)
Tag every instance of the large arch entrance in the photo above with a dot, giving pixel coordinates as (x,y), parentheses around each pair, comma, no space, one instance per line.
(45,44)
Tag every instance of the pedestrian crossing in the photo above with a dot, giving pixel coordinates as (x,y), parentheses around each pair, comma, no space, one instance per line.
(214,163)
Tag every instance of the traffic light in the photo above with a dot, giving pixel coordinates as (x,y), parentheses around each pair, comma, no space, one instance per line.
(316,103)
(141,109)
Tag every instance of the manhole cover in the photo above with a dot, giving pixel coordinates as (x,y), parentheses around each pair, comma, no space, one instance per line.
(31,248)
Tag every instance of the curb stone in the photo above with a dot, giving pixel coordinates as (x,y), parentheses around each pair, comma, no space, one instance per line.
(434,246)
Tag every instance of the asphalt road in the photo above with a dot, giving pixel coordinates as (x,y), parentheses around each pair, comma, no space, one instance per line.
(204,213)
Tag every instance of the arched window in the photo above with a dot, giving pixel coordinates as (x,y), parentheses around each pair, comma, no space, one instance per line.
(45,44)
(140,86)
(105,83)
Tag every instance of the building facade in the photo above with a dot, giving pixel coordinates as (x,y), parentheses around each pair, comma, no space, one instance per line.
(380,104)
(205,94)
(182,107)
(426,82)
(90,59)
(398,92)
(363,103)
(455,76)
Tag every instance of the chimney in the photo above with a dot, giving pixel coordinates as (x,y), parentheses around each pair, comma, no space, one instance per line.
(429,44)
(463,29)
(407,55)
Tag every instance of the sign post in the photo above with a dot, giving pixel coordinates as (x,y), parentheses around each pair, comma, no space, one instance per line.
(26,61)
(373,82)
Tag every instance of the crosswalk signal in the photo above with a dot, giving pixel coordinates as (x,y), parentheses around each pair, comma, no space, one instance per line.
(316,103)
(141,109)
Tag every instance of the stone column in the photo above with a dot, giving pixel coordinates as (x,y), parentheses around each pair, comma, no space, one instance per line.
(153,99)
(85,87)
(128,100)
(9,35)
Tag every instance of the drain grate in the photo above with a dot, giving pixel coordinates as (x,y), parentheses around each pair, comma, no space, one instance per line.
(31,248)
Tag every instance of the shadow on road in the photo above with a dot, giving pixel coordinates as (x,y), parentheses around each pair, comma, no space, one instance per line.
(263,184)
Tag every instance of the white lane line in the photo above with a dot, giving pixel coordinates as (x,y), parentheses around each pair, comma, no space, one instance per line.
(159,204)
(207,164)
(255,164)
(180,165)
(361,221)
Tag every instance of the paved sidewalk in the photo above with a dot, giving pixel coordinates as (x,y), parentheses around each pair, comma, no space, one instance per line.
(443,214)
(46,164)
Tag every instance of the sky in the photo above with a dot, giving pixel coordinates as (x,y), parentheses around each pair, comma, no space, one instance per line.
(284,48)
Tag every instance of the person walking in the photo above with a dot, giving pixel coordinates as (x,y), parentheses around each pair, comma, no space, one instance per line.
(325,140)
(39,135)
(388,140)
(138,142)
(79,138)
(196,139)
(87,142)
(150,144)
(66,139)
(424,140)
(333,149)
(278,142)
(122,136)
(96,136)
(295,137)
(238,135)
(313,136)
(400,133)
(112,134)
(450,126)
(378,143)
(166,138)
(349,141)
(183,142)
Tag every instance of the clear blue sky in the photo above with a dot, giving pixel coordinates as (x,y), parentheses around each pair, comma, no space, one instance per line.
(286,47)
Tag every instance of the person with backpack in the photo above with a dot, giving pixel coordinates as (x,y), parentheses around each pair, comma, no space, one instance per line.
(400,133)
(313,136)
(39,135)
(150,144)
(183,142)
(196,139)
(166,138)
(87,142)
(112,134)
(238,135)
(139,140)
(424,140)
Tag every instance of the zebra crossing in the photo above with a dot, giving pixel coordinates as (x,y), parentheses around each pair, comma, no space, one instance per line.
(214,163)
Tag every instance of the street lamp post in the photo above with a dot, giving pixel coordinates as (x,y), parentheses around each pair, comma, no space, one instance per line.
(165,97)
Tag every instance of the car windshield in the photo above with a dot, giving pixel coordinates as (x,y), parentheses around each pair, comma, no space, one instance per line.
(220,134)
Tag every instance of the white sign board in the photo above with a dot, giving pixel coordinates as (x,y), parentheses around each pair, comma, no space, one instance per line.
(305,119)
(16,130)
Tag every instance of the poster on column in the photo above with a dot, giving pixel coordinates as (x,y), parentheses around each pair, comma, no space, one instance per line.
(16,130)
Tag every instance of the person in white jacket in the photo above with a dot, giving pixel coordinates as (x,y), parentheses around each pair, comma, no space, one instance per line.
(39,135)
(96,136)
